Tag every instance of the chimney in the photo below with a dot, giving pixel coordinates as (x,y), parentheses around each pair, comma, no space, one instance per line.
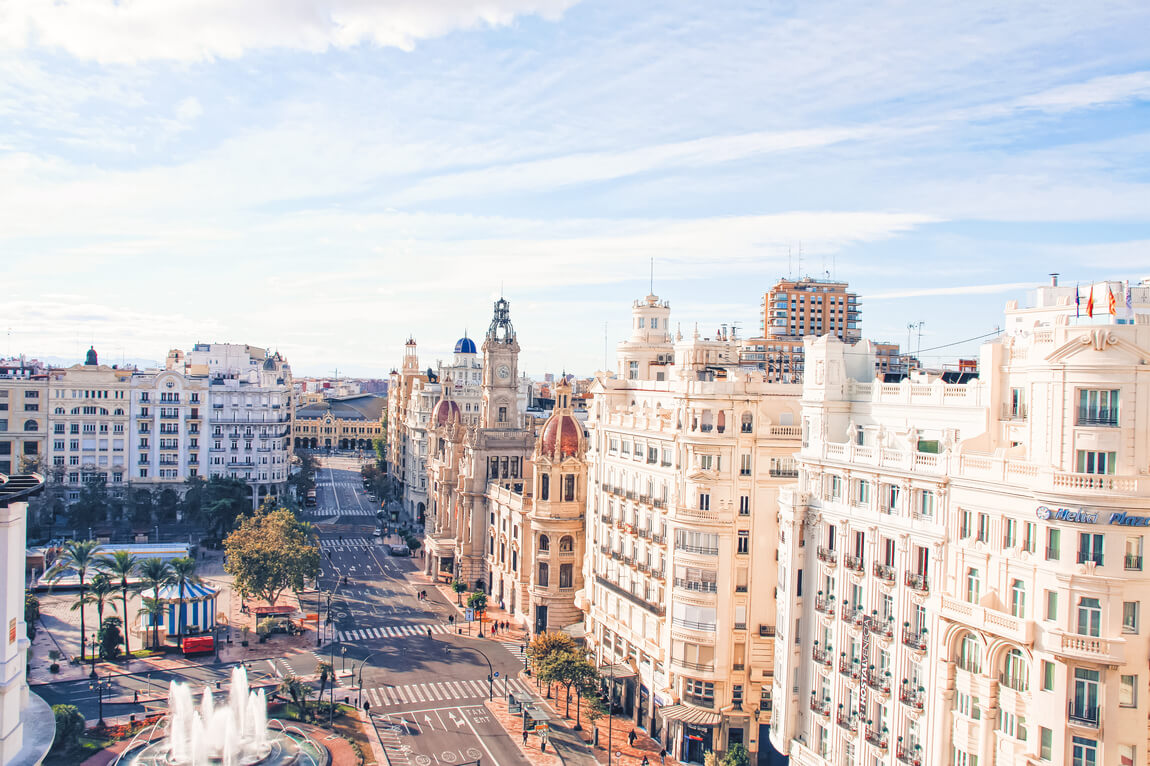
(1054,280)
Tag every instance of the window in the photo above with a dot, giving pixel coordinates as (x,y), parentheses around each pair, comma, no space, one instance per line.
(1084,752)
(1009,533)
(1128,691)
(31,425)
(633,371)
(544,543)
(569,488)
(705,462)
(745,465)
(1133,558)
(1089,617)
(566,575)
(737,695)
(864,492)
(744,505)
(1130,616)
(748,423)
(544,575)
(965,527)
(1018,403)
(1015,672)
(967,705)
(890,498)
(701,692)
(1011,725)
(545,487)
(1045,743)
(970,654)
(704,501)
(744,541)
(1098,407)
(1096,462)
(1089,548)
(973,585)
(983,528)
(1028,539)
(502,414)
(1048,669)
(926,503)
(1018,598)
(1053,544)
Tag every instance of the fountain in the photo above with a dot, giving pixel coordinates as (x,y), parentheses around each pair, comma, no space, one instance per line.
(235,734)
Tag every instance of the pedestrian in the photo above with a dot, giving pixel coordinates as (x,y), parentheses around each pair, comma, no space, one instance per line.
(135,696)
(663,756)
(646,761)
(631,738)
(525,738)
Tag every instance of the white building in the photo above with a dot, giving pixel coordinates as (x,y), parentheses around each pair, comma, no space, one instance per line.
(167,444)
(686,456)
(961,566)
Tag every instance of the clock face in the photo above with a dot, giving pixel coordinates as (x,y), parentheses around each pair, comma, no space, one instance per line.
(503,372)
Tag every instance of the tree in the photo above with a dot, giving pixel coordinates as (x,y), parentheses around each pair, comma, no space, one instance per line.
(736,755)
(269,553)
(326,675)
(477,601)
(293,687)
(458,587)
(183,574)
(155,573)
(154,609)
(710,759)
(167,504)
(596,708)
(568,669)
(122,564)
(543,645)
(31,613)
(91,507)
(109,638)
(223,500)
(69,727)
(141,506)
(303,479)
(80,557)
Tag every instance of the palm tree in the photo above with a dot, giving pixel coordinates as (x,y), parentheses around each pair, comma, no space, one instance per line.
(81,556)
(326,675)
(100,592)
(154,608)
(123,565)
(293,687)
(183,575)
(155,572)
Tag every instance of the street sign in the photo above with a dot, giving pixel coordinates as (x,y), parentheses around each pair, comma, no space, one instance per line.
(469,614)
(496,674)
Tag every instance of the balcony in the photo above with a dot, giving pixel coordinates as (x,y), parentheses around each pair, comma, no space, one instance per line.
(1097,416)
(697,549)
(703,667)
(697,585)
(917,582)
(827,555)
(990,620)
(821,656)
(908,755)
(1132,562)
(915,639)
(912,698)
(877,737)
(883,572)
(1090,556)
(854,563)
(853,613)
(1071,646)
(659,538)
(643,533)
(848,721)
(659,503)
(880,682)
(1082,714)
(825,605)
(821,707)
(848,668)
(705,627)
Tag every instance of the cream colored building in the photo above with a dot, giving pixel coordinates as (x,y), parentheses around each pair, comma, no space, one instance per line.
(686,457)
(23,415)
(411,396)
(961,567)
(342,423)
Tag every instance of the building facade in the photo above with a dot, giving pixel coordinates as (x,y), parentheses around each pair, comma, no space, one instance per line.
(343,423)
(23,415)
(411,396)
(961,566)
(686,456)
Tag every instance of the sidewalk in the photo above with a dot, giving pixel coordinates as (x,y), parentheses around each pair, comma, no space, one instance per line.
(514,632)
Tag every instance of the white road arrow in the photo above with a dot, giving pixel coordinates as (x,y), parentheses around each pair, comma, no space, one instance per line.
(427,719)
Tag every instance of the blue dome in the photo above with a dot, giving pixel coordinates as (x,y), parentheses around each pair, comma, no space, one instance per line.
(465,345)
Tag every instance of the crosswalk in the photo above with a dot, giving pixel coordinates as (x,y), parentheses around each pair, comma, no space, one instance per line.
(348,542)
(343,510)
(515,648)
(340,484)
(439,691)
(393,631)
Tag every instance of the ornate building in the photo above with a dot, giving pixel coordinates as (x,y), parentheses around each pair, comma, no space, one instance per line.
(344,423)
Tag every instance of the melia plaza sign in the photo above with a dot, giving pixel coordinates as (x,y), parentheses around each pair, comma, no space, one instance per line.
(1082,516)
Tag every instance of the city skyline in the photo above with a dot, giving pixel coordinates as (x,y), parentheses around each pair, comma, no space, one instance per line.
(328,184)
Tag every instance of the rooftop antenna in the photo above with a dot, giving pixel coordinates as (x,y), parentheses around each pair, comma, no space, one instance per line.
(800,259)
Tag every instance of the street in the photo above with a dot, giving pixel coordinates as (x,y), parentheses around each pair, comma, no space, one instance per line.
(423,677)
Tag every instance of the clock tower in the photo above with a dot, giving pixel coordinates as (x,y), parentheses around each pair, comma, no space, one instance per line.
(500,371)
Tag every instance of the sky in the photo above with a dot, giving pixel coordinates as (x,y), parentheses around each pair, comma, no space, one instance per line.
(329,178)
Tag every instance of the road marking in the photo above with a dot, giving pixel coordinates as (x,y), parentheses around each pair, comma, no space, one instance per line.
(481,742)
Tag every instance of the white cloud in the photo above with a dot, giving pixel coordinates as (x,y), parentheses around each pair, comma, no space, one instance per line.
(1100,91)
(130,31)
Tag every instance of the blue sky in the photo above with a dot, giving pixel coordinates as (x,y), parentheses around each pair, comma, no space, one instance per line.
(328,178)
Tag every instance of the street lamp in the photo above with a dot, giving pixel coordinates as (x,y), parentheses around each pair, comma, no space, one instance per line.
(490,670)
(95,654)
(342,659)
(359,699)
(101,686)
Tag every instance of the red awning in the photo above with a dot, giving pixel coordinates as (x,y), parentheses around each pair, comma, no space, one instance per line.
(271,611)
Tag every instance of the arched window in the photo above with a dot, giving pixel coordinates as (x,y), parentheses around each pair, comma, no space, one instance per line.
(545,487)
(31,425)
(1015,671)
(75,410)
(544,543)
(566,543)
(748,424)
(103,410)
(544,575)
(58,411)
(970,654)
(566,575)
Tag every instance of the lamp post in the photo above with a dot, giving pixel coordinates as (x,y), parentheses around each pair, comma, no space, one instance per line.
(359,699)
(490,670)
(95,654)
(610,709)
(101,686)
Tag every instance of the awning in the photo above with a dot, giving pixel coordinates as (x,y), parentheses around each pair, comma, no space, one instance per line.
(619,671)
(577,631)
(689,714)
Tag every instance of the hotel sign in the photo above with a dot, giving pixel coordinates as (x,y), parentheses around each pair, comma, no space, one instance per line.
(1082,516)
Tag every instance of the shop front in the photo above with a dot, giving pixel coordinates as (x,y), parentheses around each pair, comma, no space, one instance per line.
(691,731)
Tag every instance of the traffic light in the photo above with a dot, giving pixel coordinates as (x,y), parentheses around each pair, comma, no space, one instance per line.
(379,514)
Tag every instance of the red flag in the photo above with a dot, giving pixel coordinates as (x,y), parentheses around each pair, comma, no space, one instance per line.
(1113,307)
(1090,303)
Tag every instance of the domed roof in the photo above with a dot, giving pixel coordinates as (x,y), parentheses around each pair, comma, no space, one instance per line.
(270,364)
(444,412)
(562,432)
(465,345)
